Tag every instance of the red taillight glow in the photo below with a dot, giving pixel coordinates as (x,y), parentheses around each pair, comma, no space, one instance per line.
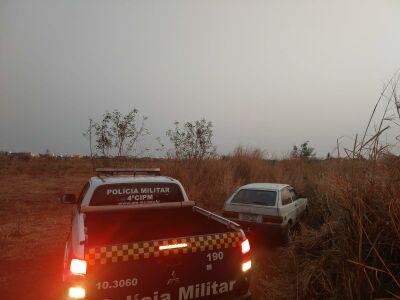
(76,293)
(245,246)
(246,266)
(174,246)
(78,267)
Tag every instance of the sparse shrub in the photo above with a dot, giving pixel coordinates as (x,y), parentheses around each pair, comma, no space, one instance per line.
(117,134)
(193,140)
(303,152)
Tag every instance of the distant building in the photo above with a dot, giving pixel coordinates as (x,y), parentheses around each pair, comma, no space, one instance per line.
(21,155)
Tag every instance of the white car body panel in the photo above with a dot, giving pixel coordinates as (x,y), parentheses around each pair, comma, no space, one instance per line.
(290,212)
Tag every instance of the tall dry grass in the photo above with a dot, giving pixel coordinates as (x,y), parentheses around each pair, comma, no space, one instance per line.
(349,245)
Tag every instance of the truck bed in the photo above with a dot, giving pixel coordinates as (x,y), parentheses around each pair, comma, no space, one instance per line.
(125,261)
(111,227)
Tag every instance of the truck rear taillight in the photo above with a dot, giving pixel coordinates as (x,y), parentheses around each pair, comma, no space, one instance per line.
(78,266)
(272,219)
(245,246)
(246,266)
(230,214)
(77,292)
(246,259)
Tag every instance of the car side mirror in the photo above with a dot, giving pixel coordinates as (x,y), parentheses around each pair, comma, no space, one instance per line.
(68,199)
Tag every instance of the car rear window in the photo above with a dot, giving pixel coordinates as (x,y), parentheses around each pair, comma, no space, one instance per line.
(137,193)
(258,197)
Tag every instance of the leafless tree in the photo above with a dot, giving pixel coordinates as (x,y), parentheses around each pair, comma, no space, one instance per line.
(89,135)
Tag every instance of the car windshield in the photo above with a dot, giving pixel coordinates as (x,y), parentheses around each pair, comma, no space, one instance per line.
(258,197)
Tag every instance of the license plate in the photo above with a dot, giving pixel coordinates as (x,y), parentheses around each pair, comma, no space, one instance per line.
(250,218)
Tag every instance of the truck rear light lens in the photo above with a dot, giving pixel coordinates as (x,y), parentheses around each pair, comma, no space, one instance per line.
(76,293)
(272,219)
(245,246)
(173,246)
(230,214)
(78,267)
(246,266)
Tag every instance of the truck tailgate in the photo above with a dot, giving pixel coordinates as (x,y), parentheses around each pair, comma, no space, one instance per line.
(207,267)
(188,265)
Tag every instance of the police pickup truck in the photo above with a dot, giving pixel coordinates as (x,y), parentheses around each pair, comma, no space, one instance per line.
(135,235)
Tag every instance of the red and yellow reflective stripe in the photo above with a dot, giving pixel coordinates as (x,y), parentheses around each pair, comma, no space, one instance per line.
(151,249)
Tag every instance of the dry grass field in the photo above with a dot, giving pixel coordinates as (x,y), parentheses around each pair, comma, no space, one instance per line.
(348,246)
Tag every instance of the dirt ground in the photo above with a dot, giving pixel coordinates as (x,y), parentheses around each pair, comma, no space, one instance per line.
(33,229)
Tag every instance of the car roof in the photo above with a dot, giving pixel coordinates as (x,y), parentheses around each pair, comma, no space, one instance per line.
(265,186)
(102,180)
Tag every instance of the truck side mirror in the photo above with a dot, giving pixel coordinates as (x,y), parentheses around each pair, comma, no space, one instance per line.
(68,199)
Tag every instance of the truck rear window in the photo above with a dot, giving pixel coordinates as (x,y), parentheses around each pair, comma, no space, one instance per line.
(258,197)
(137,193)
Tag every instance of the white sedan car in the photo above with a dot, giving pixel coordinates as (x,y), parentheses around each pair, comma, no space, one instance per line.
(273,207)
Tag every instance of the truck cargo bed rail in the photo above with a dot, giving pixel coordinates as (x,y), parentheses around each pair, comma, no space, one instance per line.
(216,217)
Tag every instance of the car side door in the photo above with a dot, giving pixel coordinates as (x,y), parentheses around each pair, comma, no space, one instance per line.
(296,203)
(288,208)
(300,203)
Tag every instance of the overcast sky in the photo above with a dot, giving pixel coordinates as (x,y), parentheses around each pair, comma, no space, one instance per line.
(268,74)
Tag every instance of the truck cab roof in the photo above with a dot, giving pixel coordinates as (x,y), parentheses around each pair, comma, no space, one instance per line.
(102,180)
(109,191)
